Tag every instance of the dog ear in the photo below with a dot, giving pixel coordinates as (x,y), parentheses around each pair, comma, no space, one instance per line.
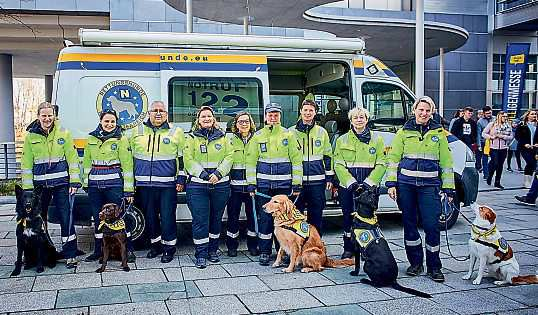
(289,207)
(117,211)
(489,215)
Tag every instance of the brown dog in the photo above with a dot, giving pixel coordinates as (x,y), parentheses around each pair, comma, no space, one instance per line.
(300,240)
(114,235)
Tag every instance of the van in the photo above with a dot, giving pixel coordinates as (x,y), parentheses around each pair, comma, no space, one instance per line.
(126,71)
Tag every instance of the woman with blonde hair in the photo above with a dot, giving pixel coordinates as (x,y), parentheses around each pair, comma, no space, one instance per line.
(208,160)
(499,133)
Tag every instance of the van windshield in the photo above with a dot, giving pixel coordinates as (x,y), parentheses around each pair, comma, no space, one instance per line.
(227,97)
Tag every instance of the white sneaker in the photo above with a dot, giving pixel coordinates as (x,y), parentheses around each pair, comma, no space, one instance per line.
(71,263)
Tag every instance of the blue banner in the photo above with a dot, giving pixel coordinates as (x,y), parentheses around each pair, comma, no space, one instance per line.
(515,68)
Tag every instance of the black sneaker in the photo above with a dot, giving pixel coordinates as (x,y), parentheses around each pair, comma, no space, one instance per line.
(265,259)
(92,257)
(213,257)
(167,257)
(414,271)
(254,252)
(437,275)
(232,252)
(154,252)
(524,200)
(201,263)
(131,257)
(501,187)
(346,254)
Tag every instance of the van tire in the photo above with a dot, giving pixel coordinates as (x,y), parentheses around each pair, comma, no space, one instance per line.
(448,223)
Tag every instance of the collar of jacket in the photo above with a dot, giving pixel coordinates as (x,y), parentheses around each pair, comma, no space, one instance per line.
(272,128)
(165,125)
(35,127)
(240,137)
(365,136)
(210,133)
(302,127)
(411,124)
(103,135)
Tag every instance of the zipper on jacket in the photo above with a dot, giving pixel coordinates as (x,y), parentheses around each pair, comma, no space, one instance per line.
(151,162)
(159,143)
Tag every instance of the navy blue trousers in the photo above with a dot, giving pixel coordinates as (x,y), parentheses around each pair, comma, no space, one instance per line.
(312,200)
(237,199)
(345,196)
(266,225)
(206,203)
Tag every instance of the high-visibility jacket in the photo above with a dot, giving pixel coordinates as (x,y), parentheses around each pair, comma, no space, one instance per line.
(108,161)
(49,159)
(274,160)
(316,151)
(238,173)
(158,154)
(208,151)
(359,158)
(420,156)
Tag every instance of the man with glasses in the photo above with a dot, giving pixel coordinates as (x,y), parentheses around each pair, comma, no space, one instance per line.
(157,149)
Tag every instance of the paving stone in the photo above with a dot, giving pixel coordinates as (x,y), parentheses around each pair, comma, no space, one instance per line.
(185,261)
(452,265)
(60,269)
(409,306)
(514,236)
(295,280)
(531,232)
(179,307)
(27,301)
(193,273)
(161,287)
(527,258)
(347,294)
(5,271)
(349,309)
(133,277)
(155,263)
(240,258)
(144,308)
(16,285)
(527,311)
(520,246)
(192,290)
(340,275)
(424,284)
(84,267)
(455,281)
(226,304)
(250,269)
(157,296)
(476,301)
(92,296)
(526,294)
(7,242)
(63,311)
(68,281)
(236,285)
(264,302)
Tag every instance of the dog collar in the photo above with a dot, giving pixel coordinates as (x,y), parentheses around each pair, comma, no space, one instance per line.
(481,232)
(371,221)
(22,221)
(285,219)
(118,225)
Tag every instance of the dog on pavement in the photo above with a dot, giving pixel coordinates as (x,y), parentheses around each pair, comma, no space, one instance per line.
(34,246)
(299,239)
(379,263)
(114,236)
(492,251)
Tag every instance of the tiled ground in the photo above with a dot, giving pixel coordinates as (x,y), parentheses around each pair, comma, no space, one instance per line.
(240,286)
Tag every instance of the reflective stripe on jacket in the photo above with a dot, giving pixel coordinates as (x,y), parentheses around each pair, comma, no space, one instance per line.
(238,173)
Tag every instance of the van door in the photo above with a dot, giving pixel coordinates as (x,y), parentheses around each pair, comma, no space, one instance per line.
(227,83)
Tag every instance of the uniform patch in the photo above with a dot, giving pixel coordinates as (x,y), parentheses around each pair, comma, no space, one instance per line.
(318,143)
(503,244)
(61,141)
(304,227)
(284,142)
(263,147)
(166,140)
(113,146)
(218,146)
(372,150)
(435,139)
(364,237)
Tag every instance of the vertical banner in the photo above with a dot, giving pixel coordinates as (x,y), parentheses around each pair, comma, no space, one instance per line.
(515,68)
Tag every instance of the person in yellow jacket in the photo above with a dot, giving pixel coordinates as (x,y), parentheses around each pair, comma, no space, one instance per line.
(274,167)
(419,168)
(208,161)
(243,129)
(359,162)
(49,159)
(108,173)
(157,148)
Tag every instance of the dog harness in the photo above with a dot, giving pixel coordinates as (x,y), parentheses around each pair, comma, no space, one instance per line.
(297,223)
(503,249)
(364,237)
(118,225)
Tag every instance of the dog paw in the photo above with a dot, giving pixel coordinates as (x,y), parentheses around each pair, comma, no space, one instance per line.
(275,265)
(499,283)
(40,269)
(126,269)
(477,281)
(467,276)
(354,273)
(287,270)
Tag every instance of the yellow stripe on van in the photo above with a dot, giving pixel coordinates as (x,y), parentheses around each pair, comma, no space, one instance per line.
(202,58)
(108,58)
(358,63)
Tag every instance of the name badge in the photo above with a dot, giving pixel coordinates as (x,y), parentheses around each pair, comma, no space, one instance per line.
(203,148)
(263,147)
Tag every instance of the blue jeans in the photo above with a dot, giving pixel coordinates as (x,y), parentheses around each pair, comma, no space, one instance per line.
(98,198)
(312,199)
(233,209)
(207,204)
(345,196)
(426,202)
(266,226)
(485,167)
(159,206)
(60,196)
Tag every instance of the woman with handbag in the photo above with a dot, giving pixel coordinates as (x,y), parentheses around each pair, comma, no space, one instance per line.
(499,134)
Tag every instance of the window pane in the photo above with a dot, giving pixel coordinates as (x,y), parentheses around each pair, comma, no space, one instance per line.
(226,96)
(385,103)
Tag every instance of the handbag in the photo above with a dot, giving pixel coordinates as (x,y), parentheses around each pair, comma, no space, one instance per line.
(487,147)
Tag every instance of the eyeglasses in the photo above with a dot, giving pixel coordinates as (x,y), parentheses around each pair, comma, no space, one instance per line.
(155,111)
(243,122)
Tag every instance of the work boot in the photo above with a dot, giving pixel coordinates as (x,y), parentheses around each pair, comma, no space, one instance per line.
(436,275)
(232,252)
(154,252)
(71,263)
(167,257)
(526,201)
(265,259)
(201,263)
(93,257)
(213,257)
(254,252)
(346,254)
(414,271)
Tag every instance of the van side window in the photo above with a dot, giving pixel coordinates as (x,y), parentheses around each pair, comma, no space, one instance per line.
(227,97)
(385,102)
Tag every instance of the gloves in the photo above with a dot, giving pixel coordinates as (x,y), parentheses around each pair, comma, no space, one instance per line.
(204,175)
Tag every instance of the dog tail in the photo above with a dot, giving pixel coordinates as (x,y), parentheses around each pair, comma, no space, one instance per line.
(525,279)
(397,286)
(332,263)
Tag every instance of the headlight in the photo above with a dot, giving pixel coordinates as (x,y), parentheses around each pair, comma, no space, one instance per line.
(469,155)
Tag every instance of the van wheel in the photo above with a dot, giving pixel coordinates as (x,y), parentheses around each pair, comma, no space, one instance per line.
(448,222)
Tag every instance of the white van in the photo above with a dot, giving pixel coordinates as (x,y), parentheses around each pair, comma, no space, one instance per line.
(126,71)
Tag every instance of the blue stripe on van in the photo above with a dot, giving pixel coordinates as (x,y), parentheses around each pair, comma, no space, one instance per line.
(198,66)
(77,65)
(390,73)
(359,71)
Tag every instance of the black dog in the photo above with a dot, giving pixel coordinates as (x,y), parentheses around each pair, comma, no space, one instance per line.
(379,263)
(33,241)
(114,236)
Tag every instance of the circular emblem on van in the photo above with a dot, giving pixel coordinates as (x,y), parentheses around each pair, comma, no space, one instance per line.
(435,139)
(166,140)
(285,142)
(318,143)
(218,146)
(372,150)
(125,97)
(61,141)
(114,146)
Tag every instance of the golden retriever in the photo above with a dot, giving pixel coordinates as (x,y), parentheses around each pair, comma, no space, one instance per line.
(309,250)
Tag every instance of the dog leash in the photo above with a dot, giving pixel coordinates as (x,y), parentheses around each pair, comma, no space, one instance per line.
(446,228)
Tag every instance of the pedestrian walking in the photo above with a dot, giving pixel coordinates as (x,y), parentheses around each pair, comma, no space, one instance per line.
(527,142)
(481,157)
(499,133)
(513,149)
(465,128)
